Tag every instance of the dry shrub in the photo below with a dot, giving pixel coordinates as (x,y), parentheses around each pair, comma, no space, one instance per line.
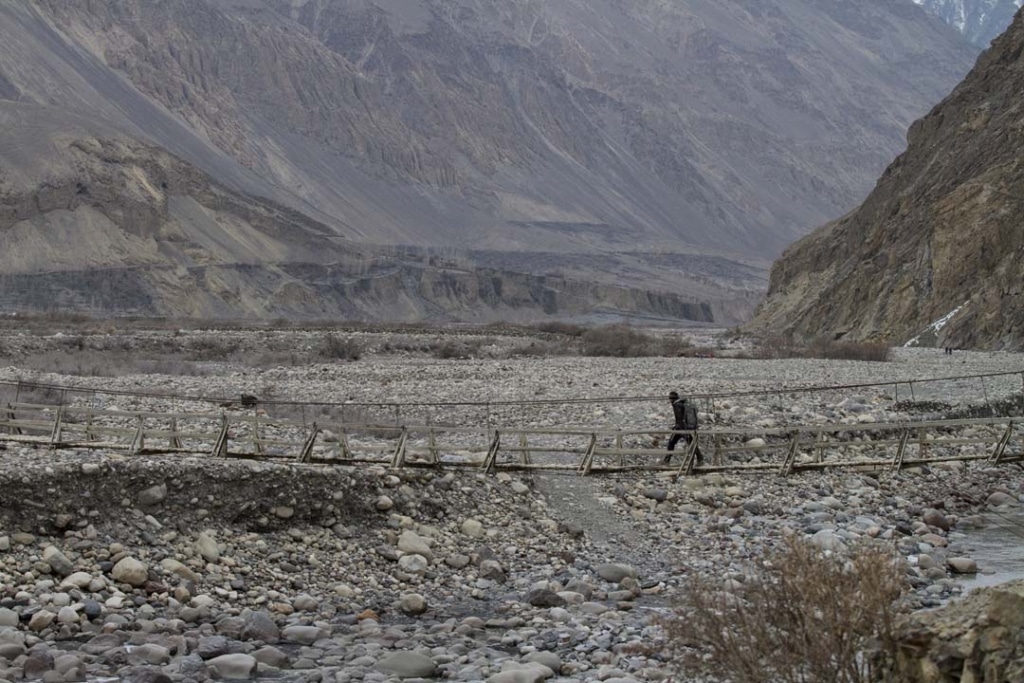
(622,341)
(561,328)
(806,616)
(824,349)
(335,347)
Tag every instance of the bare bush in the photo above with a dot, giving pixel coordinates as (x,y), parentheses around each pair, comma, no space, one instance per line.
(562,328)
(622,341)
(335,347)
(824,349)
(806,616)
(451,350)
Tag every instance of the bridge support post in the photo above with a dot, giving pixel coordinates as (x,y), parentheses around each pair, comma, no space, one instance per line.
(139,440)
(491,461)
(306,454)
(11,417)
(588,458)
(525,457)
(90,435)
(220,446)
(398,459)
(790,462)
(58,428)
(997,454)
(346,452)
(435,454)
(901,450)
(687,466)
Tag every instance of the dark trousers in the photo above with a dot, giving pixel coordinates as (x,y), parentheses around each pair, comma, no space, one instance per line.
(674,439)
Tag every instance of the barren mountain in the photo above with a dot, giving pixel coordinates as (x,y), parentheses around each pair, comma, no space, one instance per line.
(655,135)
(92,219)
(937,250)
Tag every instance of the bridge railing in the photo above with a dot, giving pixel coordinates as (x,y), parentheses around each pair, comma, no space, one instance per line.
(892,445)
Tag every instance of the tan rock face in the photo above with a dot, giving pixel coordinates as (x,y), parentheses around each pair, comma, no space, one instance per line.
(978,638)
(942,231)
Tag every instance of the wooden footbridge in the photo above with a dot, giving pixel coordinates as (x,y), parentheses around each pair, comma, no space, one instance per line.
(782,450)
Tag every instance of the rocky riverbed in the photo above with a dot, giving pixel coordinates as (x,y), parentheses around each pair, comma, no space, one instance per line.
(189,568)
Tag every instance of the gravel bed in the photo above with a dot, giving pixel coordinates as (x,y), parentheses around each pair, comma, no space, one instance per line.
(157,568)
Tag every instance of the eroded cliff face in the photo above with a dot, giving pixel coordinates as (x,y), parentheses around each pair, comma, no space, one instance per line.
(941,234)
(95,220)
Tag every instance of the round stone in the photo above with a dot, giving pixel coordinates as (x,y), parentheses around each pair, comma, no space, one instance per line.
(413,604)
(130,571)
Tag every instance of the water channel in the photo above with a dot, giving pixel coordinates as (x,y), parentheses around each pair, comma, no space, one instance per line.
(997,547)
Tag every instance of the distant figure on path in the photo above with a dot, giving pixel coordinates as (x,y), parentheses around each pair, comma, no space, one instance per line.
(685,412)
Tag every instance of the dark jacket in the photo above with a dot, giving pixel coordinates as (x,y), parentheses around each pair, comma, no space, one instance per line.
(685,412)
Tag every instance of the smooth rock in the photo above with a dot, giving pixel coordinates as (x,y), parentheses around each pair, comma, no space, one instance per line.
(407,665)
(260,626)
(962,565)
(207,547)
(936,519)
(154,495)
(613,573)
(77,580)
(60,564)
(304,635)
(130,571)
(413,604)
(473,528)
(410,542)
(8,617)
(172,566)
(233,666)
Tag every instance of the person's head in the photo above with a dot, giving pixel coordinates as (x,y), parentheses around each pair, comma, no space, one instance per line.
(673,396)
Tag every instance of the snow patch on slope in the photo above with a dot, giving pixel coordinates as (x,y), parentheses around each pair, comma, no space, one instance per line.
(936,326)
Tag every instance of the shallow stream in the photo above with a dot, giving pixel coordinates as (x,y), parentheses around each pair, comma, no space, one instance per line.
(998,548)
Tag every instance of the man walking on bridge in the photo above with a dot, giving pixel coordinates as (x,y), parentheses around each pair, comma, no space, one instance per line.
(685,412)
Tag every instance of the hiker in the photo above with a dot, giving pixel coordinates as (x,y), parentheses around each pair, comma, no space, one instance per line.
(685,412)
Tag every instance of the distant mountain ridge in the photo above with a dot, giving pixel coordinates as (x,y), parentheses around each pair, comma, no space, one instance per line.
(979,20)
(639,135)
(935,255)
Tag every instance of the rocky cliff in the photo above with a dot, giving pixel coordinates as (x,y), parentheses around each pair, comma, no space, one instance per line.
(938,247)
(978,638)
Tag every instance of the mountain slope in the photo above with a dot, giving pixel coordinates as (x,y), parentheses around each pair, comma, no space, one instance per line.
(93,219)
(524,124)
(939,245)
(979,20)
